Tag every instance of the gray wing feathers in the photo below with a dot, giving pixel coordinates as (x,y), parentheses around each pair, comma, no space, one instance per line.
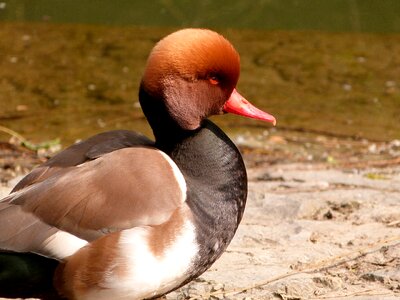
(21,231)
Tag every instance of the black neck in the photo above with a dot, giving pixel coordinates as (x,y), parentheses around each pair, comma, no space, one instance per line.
(215,176)
(217,188)
(166,130)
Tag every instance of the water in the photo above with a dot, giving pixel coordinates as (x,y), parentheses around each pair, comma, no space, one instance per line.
(74,80)
(332,15)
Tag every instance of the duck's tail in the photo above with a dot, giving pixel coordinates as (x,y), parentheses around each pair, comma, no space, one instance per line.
(27,275)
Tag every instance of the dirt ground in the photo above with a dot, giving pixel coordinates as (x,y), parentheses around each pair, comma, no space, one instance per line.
(311,232)
(322,220)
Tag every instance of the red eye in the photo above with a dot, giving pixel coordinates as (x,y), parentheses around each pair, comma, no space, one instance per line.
(213,80)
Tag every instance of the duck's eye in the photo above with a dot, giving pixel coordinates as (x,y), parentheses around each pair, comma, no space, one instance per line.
(213,80)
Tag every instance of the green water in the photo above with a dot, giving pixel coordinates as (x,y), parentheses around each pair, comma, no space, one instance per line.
(333,15)
(69,79)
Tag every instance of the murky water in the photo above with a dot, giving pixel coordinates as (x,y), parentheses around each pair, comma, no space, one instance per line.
(71,80)
(333,15)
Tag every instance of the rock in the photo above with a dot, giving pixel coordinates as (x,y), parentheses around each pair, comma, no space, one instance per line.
(389,277)
(218,287)
(298,288)
(330,282)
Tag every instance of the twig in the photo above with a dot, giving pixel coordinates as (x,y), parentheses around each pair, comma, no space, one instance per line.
(25,143)
(369,292)
(394,223)
(375,163)
(13,134)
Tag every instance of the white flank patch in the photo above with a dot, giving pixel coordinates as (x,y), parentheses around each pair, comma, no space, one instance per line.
(61,244)
(148,275)
(178,175)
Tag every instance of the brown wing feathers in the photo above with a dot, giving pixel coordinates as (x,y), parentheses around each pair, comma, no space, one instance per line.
(104,184)
(116,191)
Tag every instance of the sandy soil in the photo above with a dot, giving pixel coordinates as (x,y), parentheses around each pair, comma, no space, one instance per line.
(315,227)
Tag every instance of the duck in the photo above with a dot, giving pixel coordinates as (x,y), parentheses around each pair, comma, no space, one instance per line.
(122,216)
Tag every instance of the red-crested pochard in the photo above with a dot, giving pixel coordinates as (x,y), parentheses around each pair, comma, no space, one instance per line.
(122,217)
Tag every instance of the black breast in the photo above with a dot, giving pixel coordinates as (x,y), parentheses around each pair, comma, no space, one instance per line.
(217,189)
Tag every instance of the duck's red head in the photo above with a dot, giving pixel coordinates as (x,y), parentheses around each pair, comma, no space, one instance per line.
(195,72)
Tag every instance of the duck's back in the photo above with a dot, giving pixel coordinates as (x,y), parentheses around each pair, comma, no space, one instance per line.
(83,151)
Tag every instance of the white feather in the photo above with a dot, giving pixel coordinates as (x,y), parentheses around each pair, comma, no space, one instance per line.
(178,175)
(148,275)
(62,244)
